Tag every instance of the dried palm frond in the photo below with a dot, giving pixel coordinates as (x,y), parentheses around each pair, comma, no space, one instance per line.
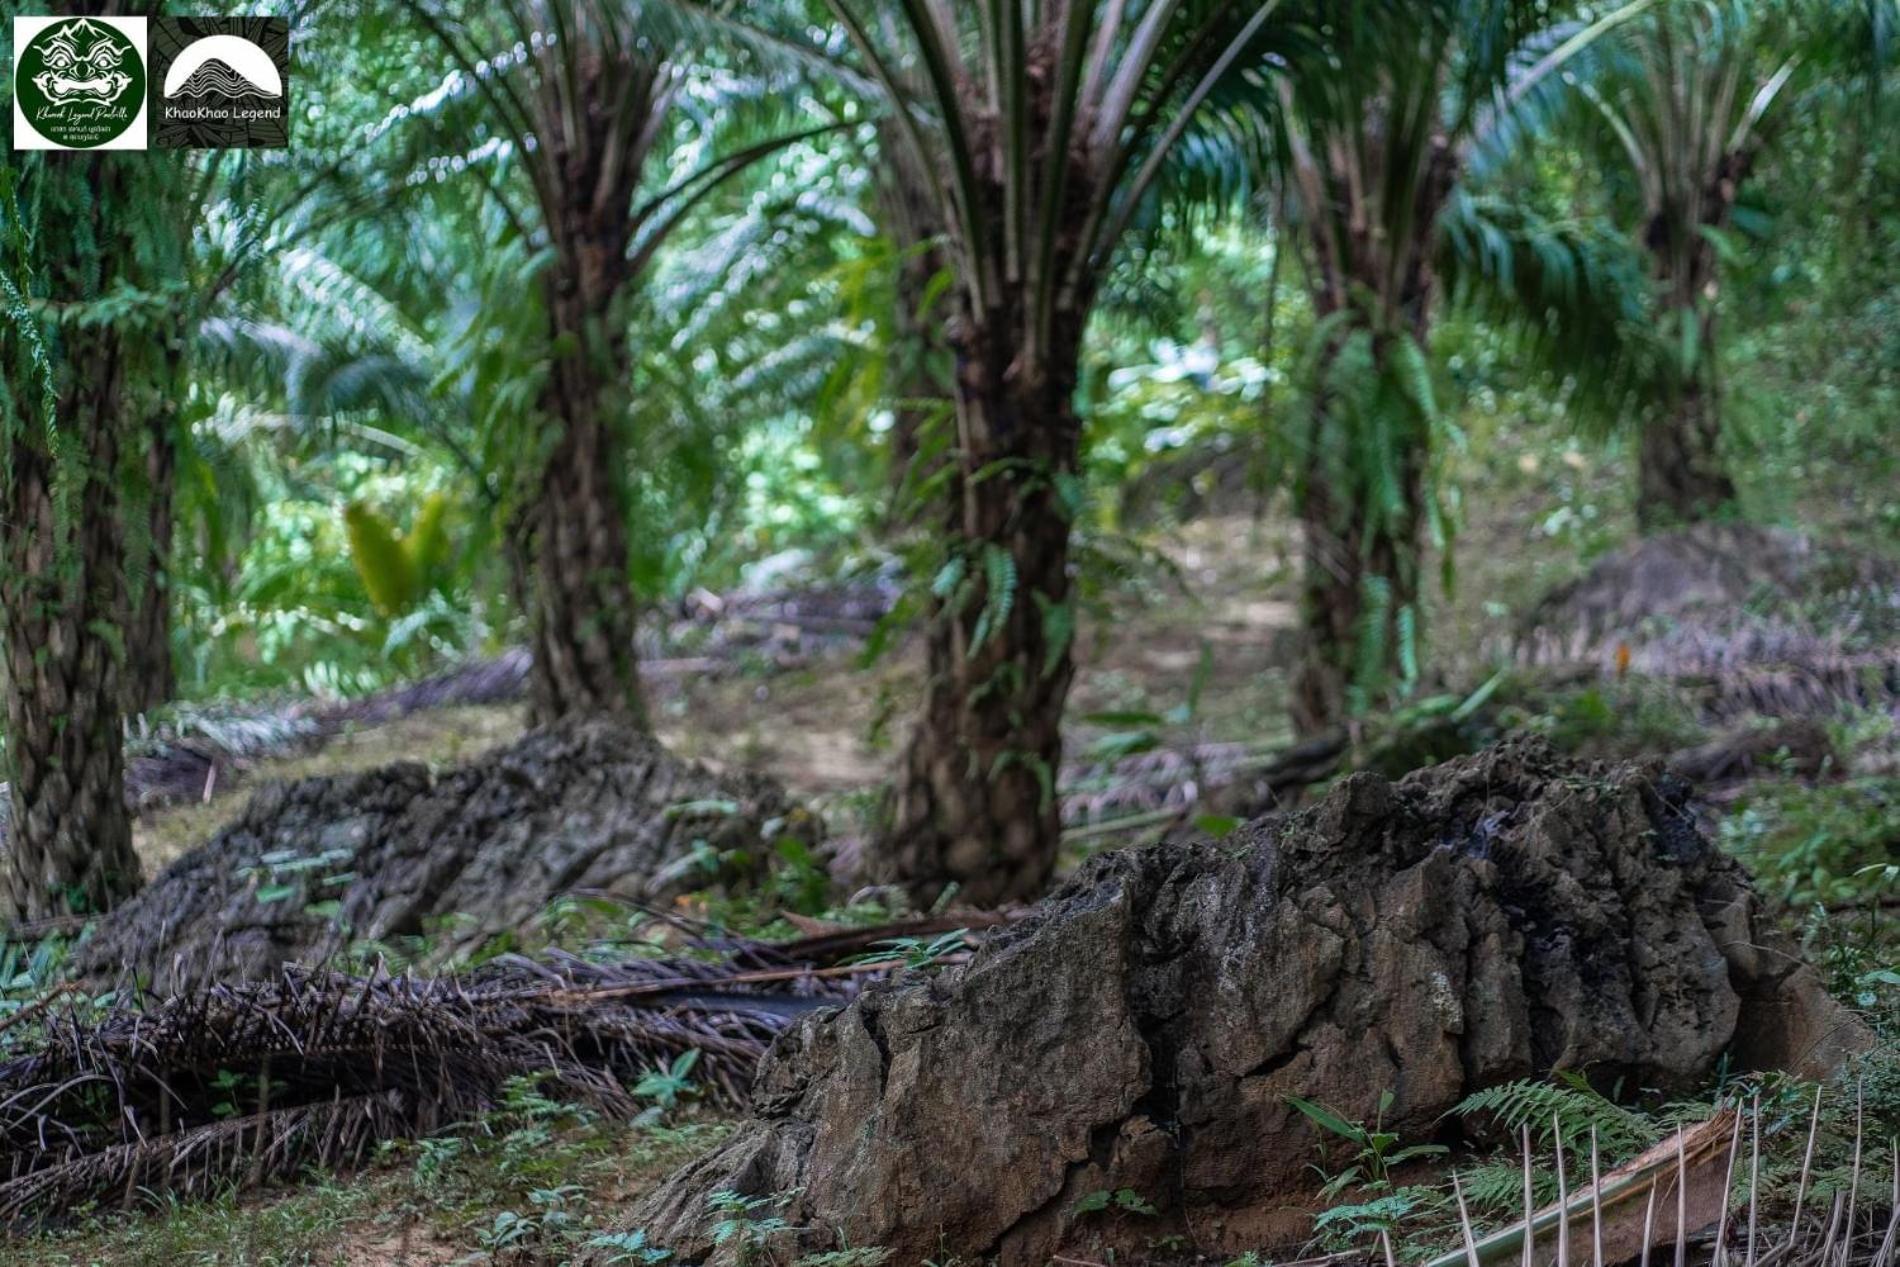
(1152,787)
(243,1084)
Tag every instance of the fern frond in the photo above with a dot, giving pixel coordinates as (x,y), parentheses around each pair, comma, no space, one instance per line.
(1571,1103)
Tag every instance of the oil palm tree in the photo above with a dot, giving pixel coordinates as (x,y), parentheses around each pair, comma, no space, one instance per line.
(1038,126)
(1690,99)
(580,105)
(1379,140)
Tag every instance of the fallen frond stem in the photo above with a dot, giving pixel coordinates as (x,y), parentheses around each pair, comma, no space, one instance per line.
(1687,1169)
(202,1160)
(1695,1171)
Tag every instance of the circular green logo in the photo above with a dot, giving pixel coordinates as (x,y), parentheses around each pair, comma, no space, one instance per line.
(80,83)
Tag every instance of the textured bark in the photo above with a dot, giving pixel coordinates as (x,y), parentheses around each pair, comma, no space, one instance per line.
(1381,286)
(62,597)
(1680,470)
(1344,553)
(150,676)
(581,595)
(1494,918)
(468,855)
(1681,476)
(975,798)
(574,530)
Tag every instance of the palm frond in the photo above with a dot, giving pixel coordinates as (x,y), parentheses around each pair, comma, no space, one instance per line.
(1574,293)
(238,1085)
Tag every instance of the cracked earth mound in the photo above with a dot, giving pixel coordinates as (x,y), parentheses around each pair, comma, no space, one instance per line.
(1496,917)
(313,866)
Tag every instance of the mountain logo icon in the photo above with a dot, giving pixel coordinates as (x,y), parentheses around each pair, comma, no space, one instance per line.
(227,66)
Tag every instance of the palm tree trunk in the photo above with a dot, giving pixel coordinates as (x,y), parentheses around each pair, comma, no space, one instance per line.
(62,603)
(975,797)
(1362,493)
(1360,575)
(581,601)
(151,679)
(581,594)
(1361,528)
(1681,476)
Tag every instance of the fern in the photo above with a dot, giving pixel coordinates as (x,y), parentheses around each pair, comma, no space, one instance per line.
(1497,1187)
(1414,376)
(999,574)
(1058,631)
(948,577)
(1570,1103)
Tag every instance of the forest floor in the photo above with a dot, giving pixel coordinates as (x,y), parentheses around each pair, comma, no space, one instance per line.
(826,728)
(1220,613)
(1211,627)
(1210,630)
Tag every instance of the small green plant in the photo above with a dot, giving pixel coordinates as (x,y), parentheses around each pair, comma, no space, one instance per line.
(556,1217)
(231,1085)
(1828,844)
(665,1084)
(919,952)
(1380,1205)
(746,1223)
(552,1222)
(1126,1200)
(28,969)
(521,1097)
(630,1247)
(1360,1219)
(239,1093)
(434,1158)
(1378,1150)
(800,881)
(510,1230)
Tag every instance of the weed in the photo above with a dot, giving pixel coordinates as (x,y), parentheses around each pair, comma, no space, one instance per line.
(1830,845)
(665,1084)
(746,1224)
(630,1247)
(919,952)
(1380,1204)
(1126,1200)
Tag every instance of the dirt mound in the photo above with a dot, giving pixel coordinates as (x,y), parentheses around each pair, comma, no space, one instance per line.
(312,866)
(1776,622)
(1489,919)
